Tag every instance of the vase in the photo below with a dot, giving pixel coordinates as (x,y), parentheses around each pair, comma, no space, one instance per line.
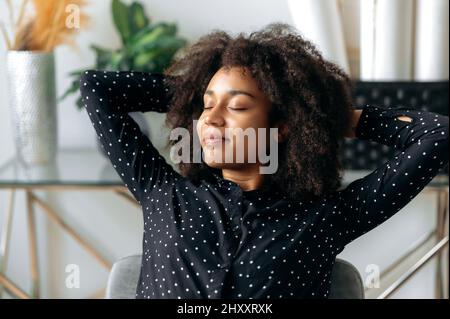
(32,101)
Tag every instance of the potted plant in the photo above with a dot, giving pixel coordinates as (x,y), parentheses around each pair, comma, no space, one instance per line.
(145,46)
(30,68)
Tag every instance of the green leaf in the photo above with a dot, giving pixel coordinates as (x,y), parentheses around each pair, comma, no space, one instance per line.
(158,53)
(104,56)
(138,18)
(150,34)
(163,42)
(117,59)
(163,60)
(74,87)
(146,30)
(77,72)
(79,103)
(141,60)
(120,16)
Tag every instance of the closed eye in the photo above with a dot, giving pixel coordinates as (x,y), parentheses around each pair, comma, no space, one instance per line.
(231,108)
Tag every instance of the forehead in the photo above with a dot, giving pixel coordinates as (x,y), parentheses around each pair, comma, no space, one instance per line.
(233,78)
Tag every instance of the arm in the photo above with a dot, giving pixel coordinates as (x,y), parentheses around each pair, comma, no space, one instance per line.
(350,133)
(422,141)
(108,98)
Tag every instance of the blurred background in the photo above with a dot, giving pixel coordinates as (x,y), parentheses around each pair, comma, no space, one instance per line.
(46,44)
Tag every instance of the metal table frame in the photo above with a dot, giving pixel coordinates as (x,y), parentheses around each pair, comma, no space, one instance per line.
(33,201)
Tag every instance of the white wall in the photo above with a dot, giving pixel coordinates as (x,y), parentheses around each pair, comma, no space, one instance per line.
(113,225)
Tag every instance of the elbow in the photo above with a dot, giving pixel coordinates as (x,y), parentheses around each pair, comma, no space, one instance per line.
(86,78)
(442,141)
(443,130)
(86,85)
(445,125)
(84,82)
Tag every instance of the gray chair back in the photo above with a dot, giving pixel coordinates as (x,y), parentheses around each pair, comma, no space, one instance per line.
(346,282)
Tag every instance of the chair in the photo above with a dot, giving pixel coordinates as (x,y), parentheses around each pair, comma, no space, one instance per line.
(123,278)
(346,282)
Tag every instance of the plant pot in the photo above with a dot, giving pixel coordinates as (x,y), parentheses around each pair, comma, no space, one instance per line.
(32,102)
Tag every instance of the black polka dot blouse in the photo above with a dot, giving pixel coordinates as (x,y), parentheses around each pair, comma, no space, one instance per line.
(214,240)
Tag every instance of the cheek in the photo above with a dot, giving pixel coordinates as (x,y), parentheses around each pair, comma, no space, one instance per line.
(254,123)
(199,126)
(251,121)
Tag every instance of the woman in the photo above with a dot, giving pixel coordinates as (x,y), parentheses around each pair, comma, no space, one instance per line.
(219,229)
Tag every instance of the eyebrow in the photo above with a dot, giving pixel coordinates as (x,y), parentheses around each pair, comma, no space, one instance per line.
(232,93)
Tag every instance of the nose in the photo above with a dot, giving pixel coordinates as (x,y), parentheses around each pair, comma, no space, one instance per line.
(214,117)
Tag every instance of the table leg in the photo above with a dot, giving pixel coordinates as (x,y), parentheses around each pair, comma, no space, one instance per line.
(442,212)
(5,236)
(128,197)
(54,216)
(31,198)
(12,288)
(33,247)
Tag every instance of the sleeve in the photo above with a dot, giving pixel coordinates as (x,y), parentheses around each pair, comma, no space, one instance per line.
(422,146)
(108,97)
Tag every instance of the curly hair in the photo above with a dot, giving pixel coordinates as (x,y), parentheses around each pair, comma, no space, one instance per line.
(311,95)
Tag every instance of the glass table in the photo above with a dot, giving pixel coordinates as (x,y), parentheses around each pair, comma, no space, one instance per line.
(72,170)
(88,169)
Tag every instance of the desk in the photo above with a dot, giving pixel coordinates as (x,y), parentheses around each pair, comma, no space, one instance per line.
(73,170)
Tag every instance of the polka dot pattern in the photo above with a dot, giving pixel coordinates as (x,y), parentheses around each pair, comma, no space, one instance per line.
(214,240)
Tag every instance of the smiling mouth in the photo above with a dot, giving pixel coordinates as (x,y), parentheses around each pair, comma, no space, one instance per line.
(215,141)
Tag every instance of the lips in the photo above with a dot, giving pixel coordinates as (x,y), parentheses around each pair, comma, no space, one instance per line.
(213,138)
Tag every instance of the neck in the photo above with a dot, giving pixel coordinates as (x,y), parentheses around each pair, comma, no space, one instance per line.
(247,179)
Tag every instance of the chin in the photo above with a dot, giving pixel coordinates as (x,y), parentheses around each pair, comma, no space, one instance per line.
(222,165)
(211,156)
(208,160)
(215,165)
